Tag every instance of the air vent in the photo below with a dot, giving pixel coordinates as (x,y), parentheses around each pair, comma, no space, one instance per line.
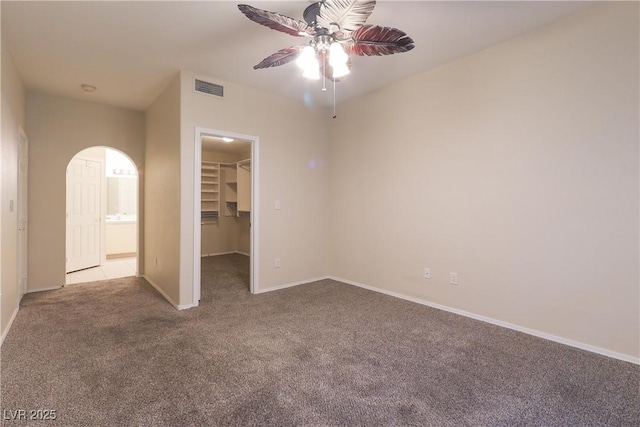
(208,88)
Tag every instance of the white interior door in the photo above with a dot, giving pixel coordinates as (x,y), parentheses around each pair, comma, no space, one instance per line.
(83,214)
(23,173)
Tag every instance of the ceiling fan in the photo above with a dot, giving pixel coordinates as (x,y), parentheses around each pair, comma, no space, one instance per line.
(337,30)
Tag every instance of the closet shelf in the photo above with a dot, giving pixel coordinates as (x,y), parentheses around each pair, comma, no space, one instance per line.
(235,185)
(209,190)
(245,164)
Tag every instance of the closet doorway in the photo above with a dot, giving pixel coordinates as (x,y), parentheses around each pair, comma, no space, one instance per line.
(223,233)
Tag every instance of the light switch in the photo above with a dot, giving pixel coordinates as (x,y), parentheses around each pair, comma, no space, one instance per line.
(10,205)
(277,205)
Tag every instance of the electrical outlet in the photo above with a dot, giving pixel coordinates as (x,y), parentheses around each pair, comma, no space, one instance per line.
(427,273)
(277,262)
(453,278)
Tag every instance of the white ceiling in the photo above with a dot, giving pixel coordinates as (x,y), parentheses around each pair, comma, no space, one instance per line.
(130,50)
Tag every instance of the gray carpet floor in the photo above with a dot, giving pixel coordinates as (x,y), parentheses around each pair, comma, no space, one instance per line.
(115,353)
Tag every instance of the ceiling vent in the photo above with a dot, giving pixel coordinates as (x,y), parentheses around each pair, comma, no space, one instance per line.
(208,88)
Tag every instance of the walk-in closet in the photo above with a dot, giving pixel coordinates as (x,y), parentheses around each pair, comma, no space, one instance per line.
(226,204)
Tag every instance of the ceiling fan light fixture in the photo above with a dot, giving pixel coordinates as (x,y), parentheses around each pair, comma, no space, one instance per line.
(306,58)
(312,72)
(309,64)
(337,55)
(340,70)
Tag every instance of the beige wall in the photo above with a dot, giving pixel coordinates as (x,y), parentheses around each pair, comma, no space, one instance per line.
(243,235)
(58,128)
(13,117)
(162,190)
(292,169)
(517,168)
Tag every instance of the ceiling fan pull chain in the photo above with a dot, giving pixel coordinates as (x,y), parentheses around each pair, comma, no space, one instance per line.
(324,73)
(334,98)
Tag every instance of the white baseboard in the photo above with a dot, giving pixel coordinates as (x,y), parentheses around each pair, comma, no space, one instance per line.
(224,253)
(216,254)
(53,288)
(289,285)
(6,331)
(161,292)
(539,334)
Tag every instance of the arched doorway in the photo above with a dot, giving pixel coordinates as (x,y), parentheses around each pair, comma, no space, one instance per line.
(101,216)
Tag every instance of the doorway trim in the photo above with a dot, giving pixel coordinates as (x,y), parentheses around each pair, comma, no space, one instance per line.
(254,216)
(23,213)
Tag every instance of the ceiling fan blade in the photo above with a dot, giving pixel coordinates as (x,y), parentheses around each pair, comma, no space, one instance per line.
(275,21)
(372,40)
(281,57)
(345,14)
